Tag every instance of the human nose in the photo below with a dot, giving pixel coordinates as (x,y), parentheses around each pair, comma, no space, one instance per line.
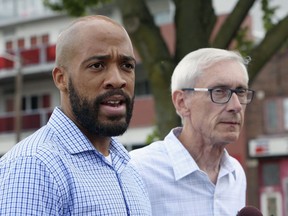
(115,79)
(234,104)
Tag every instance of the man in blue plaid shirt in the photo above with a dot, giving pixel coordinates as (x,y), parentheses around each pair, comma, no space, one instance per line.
(72,166)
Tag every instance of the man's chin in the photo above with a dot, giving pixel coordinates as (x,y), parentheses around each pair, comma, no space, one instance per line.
(112,129)
(232,137)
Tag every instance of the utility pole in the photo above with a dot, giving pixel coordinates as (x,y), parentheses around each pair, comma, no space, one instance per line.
(18,98)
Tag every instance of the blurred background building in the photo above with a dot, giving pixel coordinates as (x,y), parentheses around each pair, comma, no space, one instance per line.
(28,33)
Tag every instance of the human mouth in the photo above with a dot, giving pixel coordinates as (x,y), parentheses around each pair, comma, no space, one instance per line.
(231,122)
(114,102)
(114,105)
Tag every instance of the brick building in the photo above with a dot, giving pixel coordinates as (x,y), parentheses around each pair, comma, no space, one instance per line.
(267,136)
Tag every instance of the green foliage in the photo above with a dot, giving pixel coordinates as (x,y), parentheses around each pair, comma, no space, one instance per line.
(268,15)
(243,44)
(154,136)
(74,7)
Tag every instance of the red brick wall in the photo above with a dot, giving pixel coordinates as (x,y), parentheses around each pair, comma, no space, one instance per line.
(143,113)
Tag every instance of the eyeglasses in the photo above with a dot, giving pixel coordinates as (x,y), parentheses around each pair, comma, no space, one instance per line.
(222,95)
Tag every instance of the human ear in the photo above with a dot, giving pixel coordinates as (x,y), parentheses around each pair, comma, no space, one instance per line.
(60,79)
(179,101)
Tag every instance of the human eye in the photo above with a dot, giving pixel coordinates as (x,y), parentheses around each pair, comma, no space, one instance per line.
(241,92)
(128,66)
(220,91)
(97,66)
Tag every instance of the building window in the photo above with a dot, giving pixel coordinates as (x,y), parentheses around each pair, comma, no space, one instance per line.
(46,101)
(271,116)
(9,45)
(45,39)
(31,102)
(21,43)
(9,105)
(286,192)
(34,102)
(24,107)
(285,112)
(271,174)
(33,41)
(142,86)
(276,115)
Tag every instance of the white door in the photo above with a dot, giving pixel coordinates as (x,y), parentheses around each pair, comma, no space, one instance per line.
(271,203)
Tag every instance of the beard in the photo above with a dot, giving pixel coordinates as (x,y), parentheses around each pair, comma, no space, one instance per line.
(87,113)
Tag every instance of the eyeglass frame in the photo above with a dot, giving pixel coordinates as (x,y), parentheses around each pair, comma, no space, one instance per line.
(236,91)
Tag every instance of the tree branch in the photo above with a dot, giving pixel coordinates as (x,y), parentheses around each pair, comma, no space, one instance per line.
(233,22)
(151,46)
(269,46)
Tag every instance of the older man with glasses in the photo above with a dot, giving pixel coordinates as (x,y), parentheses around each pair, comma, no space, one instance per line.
(190,172)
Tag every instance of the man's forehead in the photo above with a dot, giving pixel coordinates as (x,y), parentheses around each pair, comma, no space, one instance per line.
(97,24)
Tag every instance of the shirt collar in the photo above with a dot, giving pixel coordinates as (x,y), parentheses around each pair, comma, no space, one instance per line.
(182,162)
(75,141)
(226,165)
(120,156)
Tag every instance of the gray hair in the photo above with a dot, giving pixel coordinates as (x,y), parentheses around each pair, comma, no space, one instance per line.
(194,64)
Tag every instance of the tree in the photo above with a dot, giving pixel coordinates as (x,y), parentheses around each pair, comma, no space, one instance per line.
(194,22)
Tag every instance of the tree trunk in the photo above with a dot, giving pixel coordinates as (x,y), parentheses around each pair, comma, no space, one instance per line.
(194,21)
(155,57)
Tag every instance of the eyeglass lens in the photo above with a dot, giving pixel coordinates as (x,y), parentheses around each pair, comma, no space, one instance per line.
(223,95)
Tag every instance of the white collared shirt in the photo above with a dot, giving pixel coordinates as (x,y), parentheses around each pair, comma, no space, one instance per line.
(177,186)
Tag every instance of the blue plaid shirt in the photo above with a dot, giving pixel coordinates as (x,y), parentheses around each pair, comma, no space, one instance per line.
(57,171)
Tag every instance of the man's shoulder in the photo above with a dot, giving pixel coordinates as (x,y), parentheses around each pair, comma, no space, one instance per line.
(156,149)
(150,157)
(151,150)
(37,145)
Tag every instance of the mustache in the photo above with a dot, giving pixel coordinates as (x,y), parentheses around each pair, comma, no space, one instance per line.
(127,98)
